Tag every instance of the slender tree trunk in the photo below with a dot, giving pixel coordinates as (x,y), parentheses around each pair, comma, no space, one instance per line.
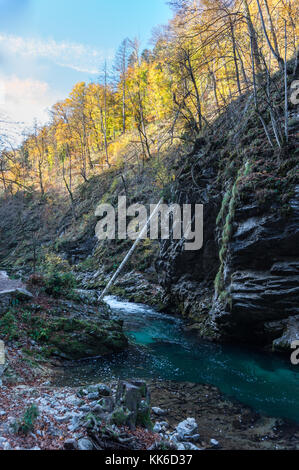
(286,84)
(215,90)
(198,100)
(296,66)
(124,106)
(40,175)
(256,98)
(3,179)
(104,117)
(253,37)
(245,78)
(235,55)
(68,184)
(276,55)
(143,129)
(104,131)
(228,81)
(272,28)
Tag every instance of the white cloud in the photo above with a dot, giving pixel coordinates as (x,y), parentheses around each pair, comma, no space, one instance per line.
(74,56)
(24,101)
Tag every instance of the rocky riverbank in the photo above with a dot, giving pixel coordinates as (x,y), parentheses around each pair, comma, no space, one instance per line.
(135,416)
(36,414)
(70,326)
(221,423)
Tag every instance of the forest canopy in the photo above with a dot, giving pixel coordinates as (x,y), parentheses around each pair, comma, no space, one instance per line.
(210,53)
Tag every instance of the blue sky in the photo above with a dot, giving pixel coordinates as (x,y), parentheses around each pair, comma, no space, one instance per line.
(46,46)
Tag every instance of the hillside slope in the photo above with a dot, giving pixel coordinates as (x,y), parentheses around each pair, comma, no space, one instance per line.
(243,284)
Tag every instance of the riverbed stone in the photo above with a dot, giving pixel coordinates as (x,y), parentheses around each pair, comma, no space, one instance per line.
(214,443)
(73,400)
(187,446)
(161,427)
(71,444)
(85,444)
(158,411)
(186,428)
(102,390)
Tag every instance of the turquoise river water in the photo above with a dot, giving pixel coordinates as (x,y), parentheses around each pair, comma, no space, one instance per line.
(161,350)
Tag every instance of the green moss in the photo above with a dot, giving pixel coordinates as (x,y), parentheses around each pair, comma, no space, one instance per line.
(25,425)
(219,284)
(120,416)
(79,339)
(9,326)
(228,205)
(89,264)
(58,284)
(71,338)
(225,202)
(144,416)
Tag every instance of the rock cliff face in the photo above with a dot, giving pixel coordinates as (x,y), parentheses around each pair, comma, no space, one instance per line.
(261,274)
(243,284)
(256,292)
(188,276)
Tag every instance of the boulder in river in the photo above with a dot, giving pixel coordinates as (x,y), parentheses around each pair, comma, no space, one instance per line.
(85,444)
(10,291)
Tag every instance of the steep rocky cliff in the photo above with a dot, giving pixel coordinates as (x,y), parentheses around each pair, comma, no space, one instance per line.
(243,284)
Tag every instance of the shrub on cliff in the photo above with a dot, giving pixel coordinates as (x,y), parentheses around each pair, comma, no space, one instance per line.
(58,284)
(25,425)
